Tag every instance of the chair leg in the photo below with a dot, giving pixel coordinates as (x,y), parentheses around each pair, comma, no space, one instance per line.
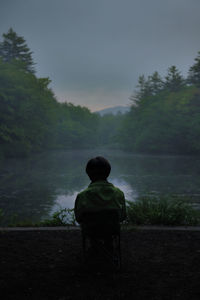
(110,251)
(116,253)
(84,246)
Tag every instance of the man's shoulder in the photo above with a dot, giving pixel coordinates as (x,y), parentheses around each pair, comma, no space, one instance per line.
(118,192)
(102,185)
(116,189)
(98,188)
(83,193)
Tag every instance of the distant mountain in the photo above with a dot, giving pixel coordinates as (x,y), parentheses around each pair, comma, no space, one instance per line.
(113,110)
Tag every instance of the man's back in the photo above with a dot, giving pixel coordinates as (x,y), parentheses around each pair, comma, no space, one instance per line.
(100,195)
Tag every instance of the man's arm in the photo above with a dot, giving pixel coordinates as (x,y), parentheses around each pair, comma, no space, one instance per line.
(123,208)
(77,209)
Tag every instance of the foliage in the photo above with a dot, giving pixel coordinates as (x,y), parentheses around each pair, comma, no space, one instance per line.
(108,128)
(62,217)
(75,127)
(194,72)
(164,210)
(173,81)
(26,107)
(32,120)
(150,210)
(154,85)
(14,49)
(165,114)
(30,117)
(143,90)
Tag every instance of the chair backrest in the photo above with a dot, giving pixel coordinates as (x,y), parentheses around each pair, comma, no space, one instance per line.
(101,223)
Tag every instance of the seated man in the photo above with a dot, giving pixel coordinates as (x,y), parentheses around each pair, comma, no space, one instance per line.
(99,209)
(100,194)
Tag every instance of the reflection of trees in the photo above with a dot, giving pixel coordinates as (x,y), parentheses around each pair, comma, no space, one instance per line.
(162,174)
(62,170)
(25,205)
(23,192)
(28,186)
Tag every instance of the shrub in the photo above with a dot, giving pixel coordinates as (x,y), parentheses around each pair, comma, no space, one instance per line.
(164,210)
(62,217)
(150,210)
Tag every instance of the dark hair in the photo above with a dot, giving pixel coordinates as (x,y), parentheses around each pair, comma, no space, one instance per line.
(98,168)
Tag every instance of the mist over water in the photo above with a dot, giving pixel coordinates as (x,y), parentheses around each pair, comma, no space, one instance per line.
(33,188)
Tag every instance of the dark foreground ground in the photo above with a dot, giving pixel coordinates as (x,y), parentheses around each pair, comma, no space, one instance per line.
(47,265)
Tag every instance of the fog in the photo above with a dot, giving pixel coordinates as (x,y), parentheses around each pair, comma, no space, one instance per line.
(32,189)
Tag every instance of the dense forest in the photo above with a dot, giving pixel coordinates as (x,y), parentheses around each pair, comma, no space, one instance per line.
(30,117)
(164,116)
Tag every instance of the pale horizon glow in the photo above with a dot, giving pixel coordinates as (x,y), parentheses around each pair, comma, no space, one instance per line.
(93,100)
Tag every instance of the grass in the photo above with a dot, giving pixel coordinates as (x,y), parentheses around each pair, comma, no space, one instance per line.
(150,210)
(62,217)
(163,210)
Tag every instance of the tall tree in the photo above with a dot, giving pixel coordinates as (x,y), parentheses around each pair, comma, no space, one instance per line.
(156,83)
(194,72)
(14,48)
(143,90)
(173,81)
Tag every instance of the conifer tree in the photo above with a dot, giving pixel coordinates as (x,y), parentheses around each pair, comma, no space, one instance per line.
(14,48)
(173,81)
(143,90)
(194,72)
(156,83)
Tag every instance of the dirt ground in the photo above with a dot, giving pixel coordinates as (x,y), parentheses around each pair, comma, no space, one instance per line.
(44,265)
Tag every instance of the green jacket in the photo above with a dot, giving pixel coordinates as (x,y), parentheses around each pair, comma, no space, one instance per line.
(100,195)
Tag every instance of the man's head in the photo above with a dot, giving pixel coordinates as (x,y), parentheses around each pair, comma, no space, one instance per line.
(98,168)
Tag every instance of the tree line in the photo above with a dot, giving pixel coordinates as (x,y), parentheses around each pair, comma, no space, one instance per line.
(31,119)
(164,115)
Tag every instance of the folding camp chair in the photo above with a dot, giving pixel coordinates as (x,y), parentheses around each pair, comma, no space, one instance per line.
(101,237)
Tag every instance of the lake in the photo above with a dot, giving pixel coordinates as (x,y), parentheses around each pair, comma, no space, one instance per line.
(33,188)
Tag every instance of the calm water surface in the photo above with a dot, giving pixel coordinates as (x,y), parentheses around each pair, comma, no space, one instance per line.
(34,188)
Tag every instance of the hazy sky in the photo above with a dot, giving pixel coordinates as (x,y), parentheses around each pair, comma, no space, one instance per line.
(94,50)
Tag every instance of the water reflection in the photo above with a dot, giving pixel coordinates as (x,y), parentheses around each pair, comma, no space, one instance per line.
(34,188)
(67,200)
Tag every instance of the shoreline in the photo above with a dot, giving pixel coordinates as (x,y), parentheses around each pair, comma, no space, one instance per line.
(127,228)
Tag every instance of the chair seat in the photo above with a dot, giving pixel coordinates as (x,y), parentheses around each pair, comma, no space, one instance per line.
(101,223)
(102,230)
